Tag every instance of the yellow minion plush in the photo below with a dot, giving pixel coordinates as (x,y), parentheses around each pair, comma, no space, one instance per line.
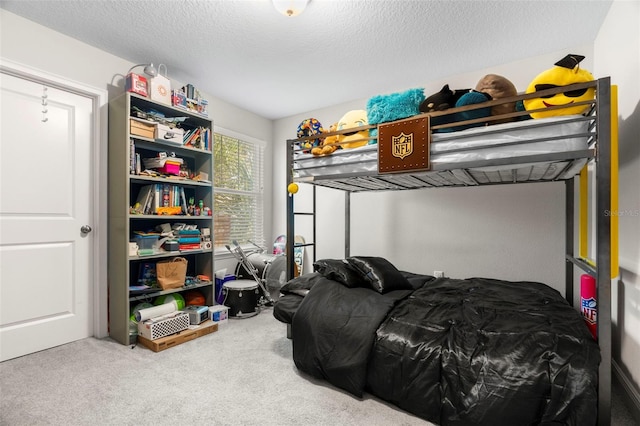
(566,71)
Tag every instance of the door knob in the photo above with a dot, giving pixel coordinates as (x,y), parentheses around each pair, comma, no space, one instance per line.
(85,229)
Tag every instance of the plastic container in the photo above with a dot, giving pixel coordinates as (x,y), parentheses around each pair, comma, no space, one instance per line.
(146,244)
(588,303)
(170,168)
(219,313)
(160,162)
(219,284)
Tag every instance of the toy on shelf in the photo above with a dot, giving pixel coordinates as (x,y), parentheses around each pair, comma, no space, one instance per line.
(190,99)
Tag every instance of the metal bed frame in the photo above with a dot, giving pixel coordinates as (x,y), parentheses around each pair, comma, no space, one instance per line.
(602,148)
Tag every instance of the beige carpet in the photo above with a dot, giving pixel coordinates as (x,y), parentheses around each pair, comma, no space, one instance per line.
(242,374)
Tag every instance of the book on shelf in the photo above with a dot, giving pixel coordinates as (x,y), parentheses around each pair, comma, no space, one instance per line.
(144,196)
(193,240)
(147,274)
(153,197)
(166,193)
(132,157)
(183,201)
(199,137)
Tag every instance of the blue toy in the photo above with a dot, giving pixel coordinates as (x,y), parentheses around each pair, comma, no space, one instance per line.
(490,87)
(396,106)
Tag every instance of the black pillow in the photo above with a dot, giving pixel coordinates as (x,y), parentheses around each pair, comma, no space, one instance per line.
(339,270)
(380,274)
(300,285)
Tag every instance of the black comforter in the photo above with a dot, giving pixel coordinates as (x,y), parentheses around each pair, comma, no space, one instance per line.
(455,352)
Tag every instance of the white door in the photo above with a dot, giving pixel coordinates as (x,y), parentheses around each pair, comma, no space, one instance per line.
(45,183)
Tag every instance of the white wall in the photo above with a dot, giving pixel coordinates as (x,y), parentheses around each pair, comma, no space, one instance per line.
(513,232)
(617,51)
(35,46)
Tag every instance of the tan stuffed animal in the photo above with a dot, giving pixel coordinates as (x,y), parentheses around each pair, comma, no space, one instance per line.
(498,87)
(327,146)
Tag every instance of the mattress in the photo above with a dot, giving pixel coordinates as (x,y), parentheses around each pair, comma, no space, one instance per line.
(479,145)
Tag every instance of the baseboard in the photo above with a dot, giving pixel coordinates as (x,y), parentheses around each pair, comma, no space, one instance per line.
(632,396)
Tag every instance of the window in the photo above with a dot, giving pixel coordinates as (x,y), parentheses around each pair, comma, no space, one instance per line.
(238,189)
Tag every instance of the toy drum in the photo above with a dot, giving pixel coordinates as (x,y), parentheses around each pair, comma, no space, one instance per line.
(241,296)
(272,270)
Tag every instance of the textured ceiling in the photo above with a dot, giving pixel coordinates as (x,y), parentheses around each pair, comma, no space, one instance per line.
(244,52)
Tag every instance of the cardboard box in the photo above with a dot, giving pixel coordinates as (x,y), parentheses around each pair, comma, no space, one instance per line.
(170,168)
(169,134)
(220,283)
(137,84)
(178,99)
(191,333)
(138,127)
(219,313)
(160,163)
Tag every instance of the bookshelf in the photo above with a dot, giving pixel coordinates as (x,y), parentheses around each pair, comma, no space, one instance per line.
(134,137)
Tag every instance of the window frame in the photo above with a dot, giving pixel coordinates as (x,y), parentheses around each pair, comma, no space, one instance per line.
(261,145)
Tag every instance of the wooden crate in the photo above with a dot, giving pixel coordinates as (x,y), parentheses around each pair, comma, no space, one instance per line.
(167,342)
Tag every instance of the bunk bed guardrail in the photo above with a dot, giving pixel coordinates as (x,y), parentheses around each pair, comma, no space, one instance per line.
(595,142)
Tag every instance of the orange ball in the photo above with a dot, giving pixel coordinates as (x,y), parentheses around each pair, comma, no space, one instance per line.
(194,298)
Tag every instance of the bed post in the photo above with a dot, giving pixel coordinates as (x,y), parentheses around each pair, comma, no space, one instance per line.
(569,237)
(290,214)
(603,251)
(347,224)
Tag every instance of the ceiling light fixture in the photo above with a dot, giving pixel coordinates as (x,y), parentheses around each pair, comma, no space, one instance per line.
(290,7)
(149,69)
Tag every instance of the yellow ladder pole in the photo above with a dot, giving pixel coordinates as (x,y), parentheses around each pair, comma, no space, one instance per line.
(614,182)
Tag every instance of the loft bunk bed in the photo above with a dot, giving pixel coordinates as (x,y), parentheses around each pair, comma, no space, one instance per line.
(522,150)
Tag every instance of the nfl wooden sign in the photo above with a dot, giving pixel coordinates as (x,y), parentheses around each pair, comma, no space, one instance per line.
(404,145)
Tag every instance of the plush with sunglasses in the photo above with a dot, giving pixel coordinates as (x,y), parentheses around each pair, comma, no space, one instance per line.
(566,71)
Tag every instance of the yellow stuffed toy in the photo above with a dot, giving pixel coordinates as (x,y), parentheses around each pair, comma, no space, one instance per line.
(566,71)
(352,119)
(329,144)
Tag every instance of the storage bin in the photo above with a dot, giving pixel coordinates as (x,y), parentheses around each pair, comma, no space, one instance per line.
(161,164)
(219,284)
(146,244)
(219,313)
(170,167)
(137,84)
(153,328)
(138,127)
(168,134)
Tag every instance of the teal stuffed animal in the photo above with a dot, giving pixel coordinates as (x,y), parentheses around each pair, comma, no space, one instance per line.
(491,86)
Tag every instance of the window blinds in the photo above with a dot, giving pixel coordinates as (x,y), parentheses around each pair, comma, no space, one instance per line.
(238,191)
